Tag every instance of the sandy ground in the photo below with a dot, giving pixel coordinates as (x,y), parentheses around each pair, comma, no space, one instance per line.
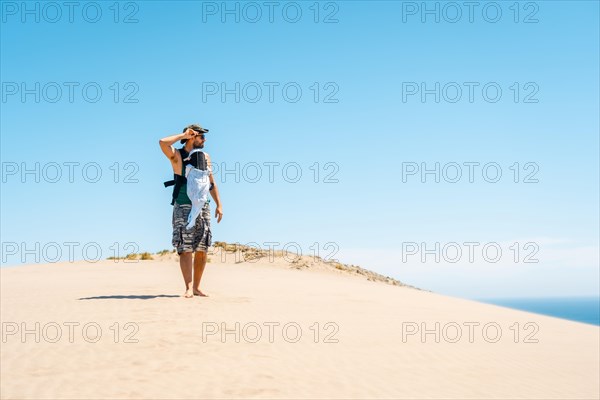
(122,330)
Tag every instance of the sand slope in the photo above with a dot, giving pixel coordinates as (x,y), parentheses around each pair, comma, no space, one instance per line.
(174,358)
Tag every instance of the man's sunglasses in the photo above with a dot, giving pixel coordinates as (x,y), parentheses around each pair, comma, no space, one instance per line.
(201,135)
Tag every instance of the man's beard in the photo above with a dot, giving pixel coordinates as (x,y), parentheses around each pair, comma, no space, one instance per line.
(199,146)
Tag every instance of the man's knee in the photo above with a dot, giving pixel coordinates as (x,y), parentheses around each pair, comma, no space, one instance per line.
(200,254)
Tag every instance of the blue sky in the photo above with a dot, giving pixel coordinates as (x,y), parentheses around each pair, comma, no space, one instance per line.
(166,61)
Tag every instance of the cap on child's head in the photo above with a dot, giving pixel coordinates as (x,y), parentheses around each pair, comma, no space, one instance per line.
(196,159)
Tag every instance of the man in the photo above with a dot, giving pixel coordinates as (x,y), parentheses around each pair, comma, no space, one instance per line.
(199,238)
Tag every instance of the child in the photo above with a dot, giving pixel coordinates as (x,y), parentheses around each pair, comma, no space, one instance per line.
(198,183)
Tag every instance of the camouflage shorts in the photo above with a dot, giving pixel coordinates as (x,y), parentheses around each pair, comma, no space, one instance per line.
(196,239)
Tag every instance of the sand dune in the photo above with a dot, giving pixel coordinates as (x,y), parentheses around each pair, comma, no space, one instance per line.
(325,332)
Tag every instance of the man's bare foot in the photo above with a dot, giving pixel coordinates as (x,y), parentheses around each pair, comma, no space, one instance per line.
(188,293)
(199,293)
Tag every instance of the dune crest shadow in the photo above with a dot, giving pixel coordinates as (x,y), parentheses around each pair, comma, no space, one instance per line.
(129,297)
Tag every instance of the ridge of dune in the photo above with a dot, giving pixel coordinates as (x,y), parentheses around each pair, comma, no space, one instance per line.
(358,337)
(244,254)
(250,254)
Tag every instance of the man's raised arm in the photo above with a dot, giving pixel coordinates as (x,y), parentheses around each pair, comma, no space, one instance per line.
(166,144)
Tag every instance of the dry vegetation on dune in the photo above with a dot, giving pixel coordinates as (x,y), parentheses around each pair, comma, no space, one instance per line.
(251,254)
(240,254)
(135,256)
